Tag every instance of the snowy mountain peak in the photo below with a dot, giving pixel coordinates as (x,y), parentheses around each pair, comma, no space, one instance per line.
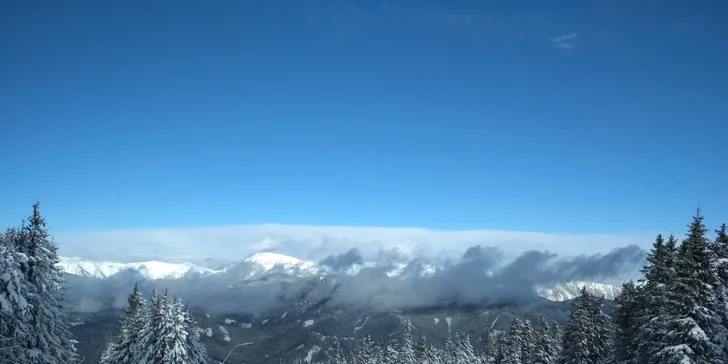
(269,260)
(149,270)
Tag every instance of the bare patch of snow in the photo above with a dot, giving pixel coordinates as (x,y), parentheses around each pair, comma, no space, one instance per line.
(449,321)
(437,320)
(229,321)
(246,325)
(283,315)
(307,323)
(208,332)
(315,349)
(226,333)
(264,321)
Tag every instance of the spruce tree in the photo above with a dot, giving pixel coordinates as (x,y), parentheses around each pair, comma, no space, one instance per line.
(465,352)
(720,248)
(449,350)
(693,320)
(126,347)
(626,321)
(501,348)
(515,343)
(586,337)
(407,352)
(420,349)
(545,350)
(488,347)
(651,299)
(50,340)
(153,343)
(14,297)
(176,335)
(365,353)
(196,350)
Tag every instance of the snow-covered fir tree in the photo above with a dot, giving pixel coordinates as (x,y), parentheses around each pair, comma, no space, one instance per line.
(586,336)
(126,346)
(49,340)
(519,342)
(420,349)
(545,348)
(157,331)
(365,353)
(197,352)
(465,353)
(14,296)
(488,344)
(651,297)
(501,348)
(720,249)
(407,352)
(693,321)
(627,323)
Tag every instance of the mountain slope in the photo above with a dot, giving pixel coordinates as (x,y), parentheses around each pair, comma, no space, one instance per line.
(149,270)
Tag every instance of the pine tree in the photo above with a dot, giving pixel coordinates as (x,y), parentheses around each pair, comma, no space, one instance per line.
(501,348)
(125,348)
(365,353)
(14,300)
(153,342)
(50,340)
(196,350)
(626,320)
(545,349)
(420,349)
(694,322)
(651,299)
(175,334)
(515,343)
(465,352)
(407,352)
(388,353)
(586,337)
(720,249)
(488,347)
(449,350)
(528,341)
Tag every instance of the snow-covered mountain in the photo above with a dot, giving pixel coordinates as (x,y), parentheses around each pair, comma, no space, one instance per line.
(149,270)
(266,264)
(571,290)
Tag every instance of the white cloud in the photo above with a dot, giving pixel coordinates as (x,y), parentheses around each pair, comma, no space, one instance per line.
(565,41)
(316,242)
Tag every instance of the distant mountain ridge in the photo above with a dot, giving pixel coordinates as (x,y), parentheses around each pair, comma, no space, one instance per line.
(268,264)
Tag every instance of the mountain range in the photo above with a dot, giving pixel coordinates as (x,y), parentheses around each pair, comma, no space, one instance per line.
(289,308)
(267,264)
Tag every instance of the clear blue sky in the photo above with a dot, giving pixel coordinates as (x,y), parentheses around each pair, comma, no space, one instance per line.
(441,114)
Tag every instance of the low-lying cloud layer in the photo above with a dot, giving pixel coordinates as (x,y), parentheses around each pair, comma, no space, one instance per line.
(232,243)
(478,276)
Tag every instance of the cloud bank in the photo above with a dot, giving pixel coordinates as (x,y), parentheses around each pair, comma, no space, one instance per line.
(478,276)
(232,243)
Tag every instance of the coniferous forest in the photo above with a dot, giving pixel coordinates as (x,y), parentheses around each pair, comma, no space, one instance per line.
(676,314)
(34,324)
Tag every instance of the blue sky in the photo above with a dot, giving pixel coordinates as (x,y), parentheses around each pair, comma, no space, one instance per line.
(577,117)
